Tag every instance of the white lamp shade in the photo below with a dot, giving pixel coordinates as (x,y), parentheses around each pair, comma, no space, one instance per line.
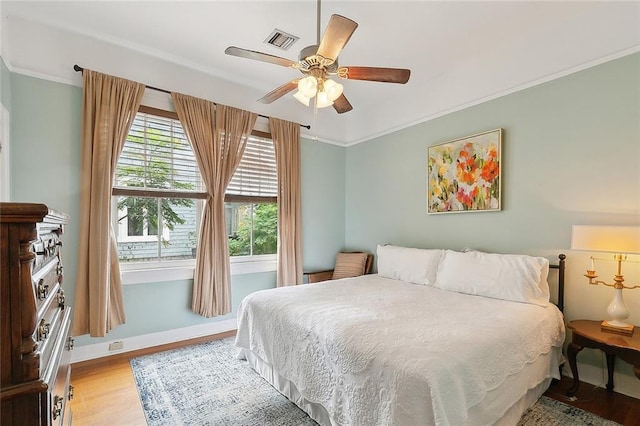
(301,98)
(614,239)
(333,89)
(322,100)
(308,86)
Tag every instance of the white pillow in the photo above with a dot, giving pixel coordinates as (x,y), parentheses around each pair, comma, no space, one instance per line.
(418,266)
(519,278)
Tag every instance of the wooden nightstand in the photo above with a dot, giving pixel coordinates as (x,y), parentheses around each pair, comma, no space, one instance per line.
(587,334)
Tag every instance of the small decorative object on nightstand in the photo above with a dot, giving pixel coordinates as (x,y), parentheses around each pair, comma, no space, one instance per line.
(621,240)
(588,334)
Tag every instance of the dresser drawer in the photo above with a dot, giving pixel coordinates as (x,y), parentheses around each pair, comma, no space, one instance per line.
(46,281)
(47,331)
(58,373)
(47,246)
(49,324)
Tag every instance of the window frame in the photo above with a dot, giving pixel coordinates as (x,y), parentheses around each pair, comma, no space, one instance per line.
(159,271)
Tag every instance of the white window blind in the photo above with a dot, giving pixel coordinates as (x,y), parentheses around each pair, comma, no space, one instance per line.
(157,155)
(256,176)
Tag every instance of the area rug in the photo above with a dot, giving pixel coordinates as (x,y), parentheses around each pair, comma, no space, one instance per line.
(206,384)
(549,412)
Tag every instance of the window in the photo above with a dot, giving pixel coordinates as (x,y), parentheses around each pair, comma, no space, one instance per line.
(156,192)
(158,195)
(251,211)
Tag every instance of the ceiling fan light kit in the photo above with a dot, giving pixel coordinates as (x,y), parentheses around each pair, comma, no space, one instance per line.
(322,100)
(301,98)
(333,89)
(318,63)
(326,91)
(308,86)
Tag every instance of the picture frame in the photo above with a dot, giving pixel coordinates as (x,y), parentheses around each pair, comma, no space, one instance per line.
(465,175)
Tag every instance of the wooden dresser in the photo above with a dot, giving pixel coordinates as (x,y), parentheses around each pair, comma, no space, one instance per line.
(35,320)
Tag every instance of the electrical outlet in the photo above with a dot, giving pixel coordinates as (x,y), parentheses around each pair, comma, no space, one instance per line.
(116,346)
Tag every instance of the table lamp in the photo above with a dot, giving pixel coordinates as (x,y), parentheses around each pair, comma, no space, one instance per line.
(620,240)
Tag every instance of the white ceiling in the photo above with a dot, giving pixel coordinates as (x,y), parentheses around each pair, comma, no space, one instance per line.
(460,53)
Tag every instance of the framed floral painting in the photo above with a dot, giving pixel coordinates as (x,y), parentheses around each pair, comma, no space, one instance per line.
(465,174)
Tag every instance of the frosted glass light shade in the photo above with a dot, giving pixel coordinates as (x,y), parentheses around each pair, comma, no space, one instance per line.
(308,86)
(333,89)
(322,101)
(614,239)
(301,98)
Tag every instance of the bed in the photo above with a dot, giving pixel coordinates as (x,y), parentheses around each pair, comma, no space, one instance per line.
(436,337)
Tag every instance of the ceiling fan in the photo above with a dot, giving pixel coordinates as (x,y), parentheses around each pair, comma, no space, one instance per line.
(318,63)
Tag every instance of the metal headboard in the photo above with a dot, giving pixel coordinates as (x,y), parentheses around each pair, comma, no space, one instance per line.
(560,268)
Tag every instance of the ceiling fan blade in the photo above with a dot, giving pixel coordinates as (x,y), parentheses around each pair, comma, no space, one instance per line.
(385,75)
(336,36)
(259,56)
(342,105)
(279,92)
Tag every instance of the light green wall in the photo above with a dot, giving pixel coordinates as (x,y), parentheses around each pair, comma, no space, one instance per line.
(156,307)
(571,155)
(45,160)
(323,202)
(5,85)
(45,154)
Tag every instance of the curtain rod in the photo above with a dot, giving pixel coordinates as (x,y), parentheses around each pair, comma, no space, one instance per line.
(78,68)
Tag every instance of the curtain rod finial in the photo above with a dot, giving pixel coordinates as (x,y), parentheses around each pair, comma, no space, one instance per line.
(77,68)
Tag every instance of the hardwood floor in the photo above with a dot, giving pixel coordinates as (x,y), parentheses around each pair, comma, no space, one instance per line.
(106,393)
(597,400)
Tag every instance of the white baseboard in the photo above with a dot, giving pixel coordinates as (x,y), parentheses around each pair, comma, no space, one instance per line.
(99,350)
(597,376)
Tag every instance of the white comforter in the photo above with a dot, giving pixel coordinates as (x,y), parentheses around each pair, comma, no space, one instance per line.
(376,351)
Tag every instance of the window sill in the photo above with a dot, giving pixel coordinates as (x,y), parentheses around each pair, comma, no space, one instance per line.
(131,276)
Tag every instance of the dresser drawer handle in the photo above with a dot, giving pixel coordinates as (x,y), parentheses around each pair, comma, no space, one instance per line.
(59,269)
(61,298)
(57,406)
(70,343)
(44,329)
(43,289)
(53,246)
(70,393)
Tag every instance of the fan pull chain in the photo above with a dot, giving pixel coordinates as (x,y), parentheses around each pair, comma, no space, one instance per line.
(315,113)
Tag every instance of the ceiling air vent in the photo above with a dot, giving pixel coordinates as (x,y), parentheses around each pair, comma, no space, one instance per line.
(280,39)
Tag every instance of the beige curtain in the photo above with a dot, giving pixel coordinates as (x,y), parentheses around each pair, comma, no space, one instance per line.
(286,139)
(218,135)
(109,106)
